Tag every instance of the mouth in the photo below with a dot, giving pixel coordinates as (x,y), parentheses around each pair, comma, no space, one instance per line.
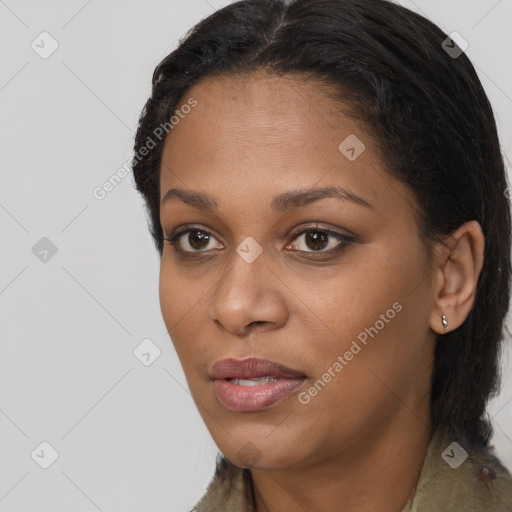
(253,384)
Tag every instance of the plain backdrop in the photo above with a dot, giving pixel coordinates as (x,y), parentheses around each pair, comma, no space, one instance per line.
(86,422)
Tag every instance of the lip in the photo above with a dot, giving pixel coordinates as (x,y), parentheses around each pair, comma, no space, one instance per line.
(252,367)
(241,398)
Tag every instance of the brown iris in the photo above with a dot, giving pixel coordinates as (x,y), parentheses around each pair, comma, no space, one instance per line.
(318,239)
(197,238)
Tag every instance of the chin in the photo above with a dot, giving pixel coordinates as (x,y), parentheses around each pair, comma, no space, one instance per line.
(253,449)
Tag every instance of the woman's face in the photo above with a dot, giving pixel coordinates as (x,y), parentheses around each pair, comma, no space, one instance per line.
(333,285)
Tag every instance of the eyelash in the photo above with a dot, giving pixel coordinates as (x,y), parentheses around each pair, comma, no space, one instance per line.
(343,239)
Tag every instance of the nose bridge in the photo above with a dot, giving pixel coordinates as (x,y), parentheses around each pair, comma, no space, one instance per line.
(241,285)
(246,293)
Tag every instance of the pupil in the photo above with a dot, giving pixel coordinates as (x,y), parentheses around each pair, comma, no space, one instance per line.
(318,238)
(199,235)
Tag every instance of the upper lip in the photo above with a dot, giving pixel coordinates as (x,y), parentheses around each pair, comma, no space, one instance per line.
(252,367)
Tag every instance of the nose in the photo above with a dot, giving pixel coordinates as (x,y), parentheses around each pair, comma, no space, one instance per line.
(249,298)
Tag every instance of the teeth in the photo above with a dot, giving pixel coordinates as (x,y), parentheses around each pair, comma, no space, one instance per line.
(253,382)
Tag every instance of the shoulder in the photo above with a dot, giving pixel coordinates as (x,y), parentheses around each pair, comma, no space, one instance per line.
(459,477)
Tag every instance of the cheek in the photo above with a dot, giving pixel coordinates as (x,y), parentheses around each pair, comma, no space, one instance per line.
(176,305)
(168,300)
(183,304)
(376,321)
(351,302)
(179,295)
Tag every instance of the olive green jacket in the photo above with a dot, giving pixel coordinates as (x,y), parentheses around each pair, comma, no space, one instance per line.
(452,479)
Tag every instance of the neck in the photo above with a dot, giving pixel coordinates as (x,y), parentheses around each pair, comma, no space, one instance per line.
(372,474)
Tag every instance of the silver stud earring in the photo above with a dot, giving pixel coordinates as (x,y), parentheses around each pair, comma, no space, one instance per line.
(445,322)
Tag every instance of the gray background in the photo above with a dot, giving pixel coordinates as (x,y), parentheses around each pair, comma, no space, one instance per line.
(128,436)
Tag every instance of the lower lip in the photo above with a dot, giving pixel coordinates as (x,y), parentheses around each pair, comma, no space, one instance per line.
(254,398)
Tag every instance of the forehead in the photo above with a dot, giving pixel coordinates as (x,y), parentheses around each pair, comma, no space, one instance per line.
(254,112)
(264,134)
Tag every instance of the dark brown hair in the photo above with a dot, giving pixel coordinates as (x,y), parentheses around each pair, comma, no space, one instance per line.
(434,126)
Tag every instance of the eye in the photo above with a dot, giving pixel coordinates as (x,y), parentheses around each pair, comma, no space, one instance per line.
(317,239)
(198,240)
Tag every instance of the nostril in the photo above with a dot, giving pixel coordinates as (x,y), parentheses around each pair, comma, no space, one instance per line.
(257,322)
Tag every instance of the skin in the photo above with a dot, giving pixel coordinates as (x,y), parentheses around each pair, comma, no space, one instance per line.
(359,444)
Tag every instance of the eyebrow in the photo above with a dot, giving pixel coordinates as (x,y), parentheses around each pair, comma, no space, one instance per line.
(280,203)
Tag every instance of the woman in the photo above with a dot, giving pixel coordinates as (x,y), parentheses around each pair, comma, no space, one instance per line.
(327,194)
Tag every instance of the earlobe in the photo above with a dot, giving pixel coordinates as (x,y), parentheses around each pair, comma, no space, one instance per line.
(458,277)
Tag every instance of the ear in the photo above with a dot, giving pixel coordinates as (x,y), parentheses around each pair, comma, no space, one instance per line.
(457,277)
